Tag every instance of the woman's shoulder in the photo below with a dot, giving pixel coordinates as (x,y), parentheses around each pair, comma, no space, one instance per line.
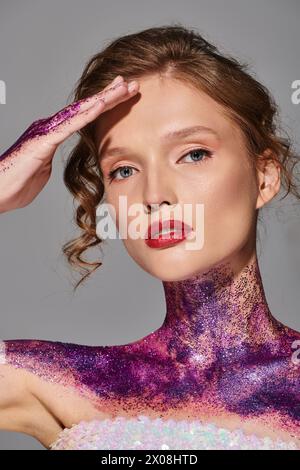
(38,354)
(51,362)
(39,357)
(17,402)
(39,382)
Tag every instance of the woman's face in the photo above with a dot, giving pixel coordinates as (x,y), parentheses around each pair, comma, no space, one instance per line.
(174,173)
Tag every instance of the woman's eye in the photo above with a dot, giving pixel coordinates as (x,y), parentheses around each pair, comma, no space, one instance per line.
(125,169)
(198,153)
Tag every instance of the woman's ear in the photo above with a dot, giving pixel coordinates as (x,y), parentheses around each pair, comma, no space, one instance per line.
(268,177)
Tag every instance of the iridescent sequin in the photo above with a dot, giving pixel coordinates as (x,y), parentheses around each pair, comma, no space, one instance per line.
(146,433)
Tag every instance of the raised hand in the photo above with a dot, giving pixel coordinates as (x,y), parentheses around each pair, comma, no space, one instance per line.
(26,166)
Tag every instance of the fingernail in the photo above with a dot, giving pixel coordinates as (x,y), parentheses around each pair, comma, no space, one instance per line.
(118,79)
(131,86)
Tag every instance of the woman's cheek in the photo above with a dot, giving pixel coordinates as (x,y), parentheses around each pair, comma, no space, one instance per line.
(228,212)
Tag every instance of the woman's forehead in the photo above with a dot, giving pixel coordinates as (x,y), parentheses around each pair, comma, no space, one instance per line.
(162,109)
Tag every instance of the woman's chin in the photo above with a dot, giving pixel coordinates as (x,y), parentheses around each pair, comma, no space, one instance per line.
(172,272)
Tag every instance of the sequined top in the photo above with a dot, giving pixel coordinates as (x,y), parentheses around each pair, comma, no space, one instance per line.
(144,432)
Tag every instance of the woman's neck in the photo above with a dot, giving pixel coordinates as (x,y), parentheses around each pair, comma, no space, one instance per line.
(211,314)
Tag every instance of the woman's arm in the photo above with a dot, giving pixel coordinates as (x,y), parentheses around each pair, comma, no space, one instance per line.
(16,401)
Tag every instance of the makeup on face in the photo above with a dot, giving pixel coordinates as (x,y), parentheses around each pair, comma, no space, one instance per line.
(165,233)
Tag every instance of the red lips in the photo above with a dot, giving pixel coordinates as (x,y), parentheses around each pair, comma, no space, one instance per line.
(171,224)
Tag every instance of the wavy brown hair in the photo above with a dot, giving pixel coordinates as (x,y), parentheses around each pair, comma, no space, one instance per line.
(178,52)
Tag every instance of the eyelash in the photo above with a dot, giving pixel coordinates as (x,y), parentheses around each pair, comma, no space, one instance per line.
(208,154)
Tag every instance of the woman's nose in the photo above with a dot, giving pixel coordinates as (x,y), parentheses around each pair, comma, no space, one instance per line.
(158,189)
(153,207)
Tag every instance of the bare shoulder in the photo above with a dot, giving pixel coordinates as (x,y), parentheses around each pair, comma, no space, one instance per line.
(42,386)
(18,405)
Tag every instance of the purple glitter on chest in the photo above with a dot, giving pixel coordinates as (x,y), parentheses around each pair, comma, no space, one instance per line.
(214,348)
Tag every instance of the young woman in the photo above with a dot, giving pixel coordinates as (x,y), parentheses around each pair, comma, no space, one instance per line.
(191,129)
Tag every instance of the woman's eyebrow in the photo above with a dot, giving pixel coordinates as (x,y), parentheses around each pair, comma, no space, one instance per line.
(187,131)
(171,135)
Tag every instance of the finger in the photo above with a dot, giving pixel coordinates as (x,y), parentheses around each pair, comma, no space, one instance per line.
(54,130)
(107,95)
(80,106)
(86,103)
(44,126)
(113,97)
(132,88)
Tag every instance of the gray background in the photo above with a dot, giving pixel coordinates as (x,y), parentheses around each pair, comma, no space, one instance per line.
(43,49)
